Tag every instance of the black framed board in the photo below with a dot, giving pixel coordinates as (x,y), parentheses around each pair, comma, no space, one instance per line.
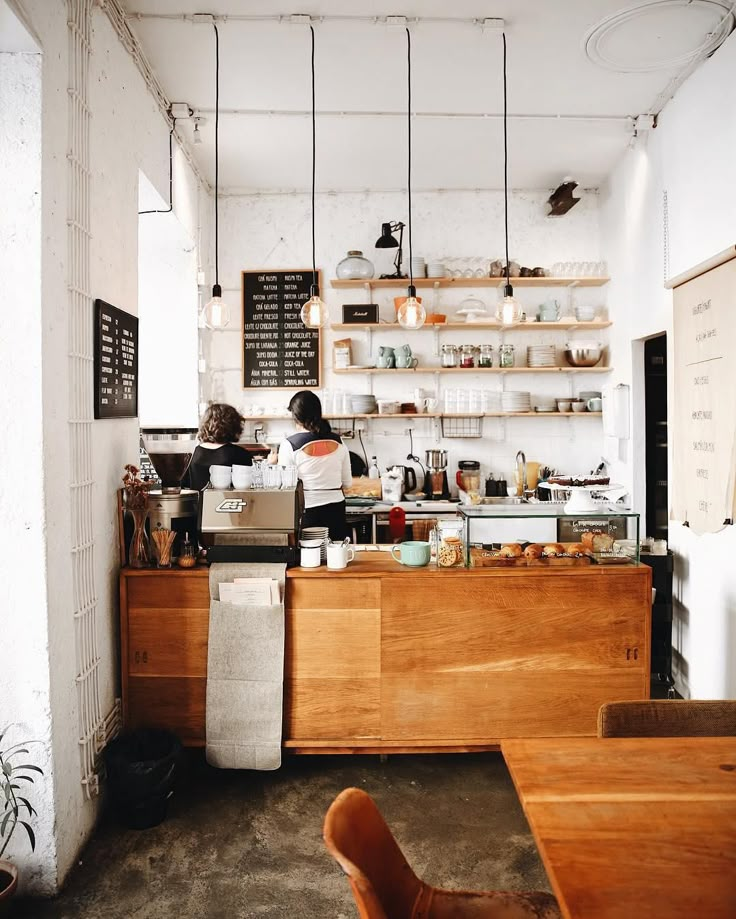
(115,362)
(279,352)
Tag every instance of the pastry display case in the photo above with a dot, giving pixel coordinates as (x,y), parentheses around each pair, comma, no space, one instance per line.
(511,533)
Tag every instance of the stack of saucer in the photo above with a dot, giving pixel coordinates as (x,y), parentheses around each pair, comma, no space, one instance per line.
(436,270)
(541,356)
(545,404)
(515,402)
(315,536)
(418,267)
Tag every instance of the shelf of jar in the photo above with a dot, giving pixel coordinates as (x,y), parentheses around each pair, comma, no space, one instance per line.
(409,415)
(566,324)
(471,282)
(498,370)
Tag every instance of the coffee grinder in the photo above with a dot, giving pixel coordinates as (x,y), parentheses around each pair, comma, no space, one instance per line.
(435,479)
(171,506)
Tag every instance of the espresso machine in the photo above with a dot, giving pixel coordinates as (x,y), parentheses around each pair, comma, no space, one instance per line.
(435,480)
(251,525)
(171,506)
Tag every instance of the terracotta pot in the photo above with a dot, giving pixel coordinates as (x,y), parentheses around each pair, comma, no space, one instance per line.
(8,880)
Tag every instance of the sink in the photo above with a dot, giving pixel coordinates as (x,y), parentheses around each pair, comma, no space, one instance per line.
(497,501)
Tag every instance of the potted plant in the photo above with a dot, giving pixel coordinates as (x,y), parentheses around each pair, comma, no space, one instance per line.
(16,810)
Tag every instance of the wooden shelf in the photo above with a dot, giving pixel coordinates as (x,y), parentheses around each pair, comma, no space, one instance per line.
(471,282)
(410,415)
(567,324)
(471,370)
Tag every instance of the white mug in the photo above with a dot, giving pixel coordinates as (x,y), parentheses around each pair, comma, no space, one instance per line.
(430,405)
(242,476)
(339,555)
(221,476)
(310,556)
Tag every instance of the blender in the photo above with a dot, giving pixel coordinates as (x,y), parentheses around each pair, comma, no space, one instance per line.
(171,506)
(435,480)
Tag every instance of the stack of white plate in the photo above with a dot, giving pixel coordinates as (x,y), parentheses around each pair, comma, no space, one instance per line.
(418,267)
(541,356)
(436,270)
(316,536)
(363,404)
(516,402)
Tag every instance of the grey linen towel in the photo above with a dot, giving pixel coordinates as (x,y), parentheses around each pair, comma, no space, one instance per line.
(245,674)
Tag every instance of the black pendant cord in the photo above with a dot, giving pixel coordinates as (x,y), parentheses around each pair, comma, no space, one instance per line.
(412,291)
(217,159)
(315,285)
(170,208)
(508,291)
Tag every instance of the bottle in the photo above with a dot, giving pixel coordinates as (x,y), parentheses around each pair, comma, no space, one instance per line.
(374,472)
(491,491)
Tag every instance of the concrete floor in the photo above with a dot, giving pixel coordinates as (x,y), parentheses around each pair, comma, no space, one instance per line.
(238,845)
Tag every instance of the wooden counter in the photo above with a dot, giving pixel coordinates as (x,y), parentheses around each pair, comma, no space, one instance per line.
(381,657)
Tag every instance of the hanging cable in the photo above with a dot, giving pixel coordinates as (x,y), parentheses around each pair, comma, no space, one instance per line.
(505,164)
(170,208)
(314,163)
(217,151)
(408,134)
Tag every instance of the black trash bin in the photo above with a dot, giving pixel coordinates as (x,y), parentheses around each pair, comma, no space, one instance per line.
(142,768)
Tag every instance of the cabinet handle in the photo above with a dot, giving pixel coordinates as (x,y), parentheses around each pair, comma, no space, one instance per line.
(137,657)
(141,656)
(628,654)
(636,654)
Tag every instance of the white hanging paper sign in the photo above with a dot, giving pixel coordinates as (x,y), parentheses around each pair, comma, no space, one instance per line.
(704,416)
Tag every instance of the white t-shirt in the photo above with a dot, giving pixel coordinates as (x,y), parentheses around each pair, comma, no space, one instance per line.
(323,465)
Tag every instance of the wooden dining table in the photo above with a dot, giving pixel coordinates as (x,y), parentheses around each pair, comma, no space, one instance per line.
(633,828)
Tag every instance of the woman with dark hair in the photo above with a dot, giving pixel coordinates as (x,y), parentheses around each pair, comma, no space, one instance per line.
(219,432)
(322,462)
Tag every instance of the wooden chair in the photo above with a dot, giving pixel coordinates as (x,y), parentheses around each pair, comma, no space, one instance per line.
(384,885)
(668,718)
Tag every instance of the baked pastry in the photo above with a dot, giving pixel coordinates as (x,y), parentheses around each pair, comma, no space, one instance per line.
(511,550)
(534,551)
(576,549)
(597,542)
(553,549)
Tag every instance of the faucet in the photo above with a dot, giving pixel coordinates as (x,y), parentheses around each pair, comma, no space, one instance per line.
(521,468)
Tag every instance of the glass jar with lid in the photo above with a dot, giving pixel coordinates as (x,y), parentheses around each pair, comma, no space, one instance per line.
(485,358)
(355,267)
(449,544)
(449,355)
(467,355)
(506,356)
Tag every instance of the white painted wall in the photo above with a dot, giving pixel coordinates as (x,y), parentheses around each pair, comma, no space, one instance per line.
(690,157)
(128,134)
(168,304)
(273,231)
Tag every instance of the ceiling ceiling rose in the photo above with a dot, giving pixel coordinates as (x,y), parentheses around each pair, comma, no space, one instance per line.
(659,34)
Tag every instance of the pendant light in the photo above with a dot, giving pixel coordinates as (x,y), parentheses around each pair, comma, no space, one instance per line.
(216,313)
(509,310)
(411,314)
(314,313)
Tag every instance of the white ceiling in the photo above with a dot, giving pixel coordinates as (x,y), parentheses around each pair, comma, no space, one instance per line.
(361,68)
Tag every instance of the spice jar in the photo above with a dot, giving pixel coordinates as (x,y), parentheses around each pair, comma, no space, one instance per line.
(449,355)
(506,356)
(485,358)
(467,356)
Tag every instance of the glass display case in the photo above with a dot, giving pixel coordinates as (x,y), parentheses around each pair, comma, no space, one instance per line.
(510,532)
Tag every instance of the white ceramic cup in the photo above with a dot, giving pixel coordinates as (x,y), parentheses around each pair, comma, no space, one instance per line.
(310,556)
(430,405)
(339,556)
(221,476)
(242,476)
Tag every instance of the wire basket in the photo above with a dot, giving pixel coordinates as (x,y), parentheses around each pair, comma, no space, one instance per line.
(465,426)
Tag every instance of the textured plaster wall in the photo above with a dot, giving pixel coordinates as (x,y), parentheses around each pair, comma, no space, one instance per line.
(128,134)
(274,231)
(690,158)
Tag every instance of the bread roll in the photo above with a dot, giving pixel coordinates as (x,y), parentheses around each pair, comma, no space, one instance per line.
(533,551)
(597,542)
(512,550)
(553,549)
(576,549)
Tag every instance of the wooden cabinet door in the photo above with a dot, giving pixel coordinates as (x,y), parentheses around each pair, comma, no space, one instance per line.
(332,661)
(516,657)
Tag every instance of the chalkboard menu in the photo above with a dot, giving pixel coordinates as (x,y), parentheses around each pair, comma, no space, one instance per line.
(115,362)
(279,352)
